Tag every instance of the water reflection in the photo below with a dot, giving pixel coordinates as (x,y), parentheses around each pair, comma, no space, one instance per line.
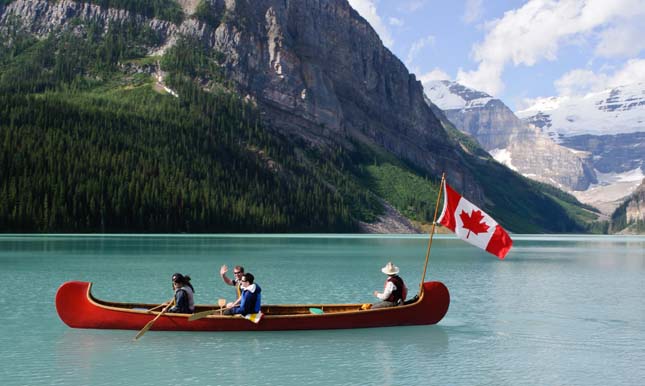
(81,355)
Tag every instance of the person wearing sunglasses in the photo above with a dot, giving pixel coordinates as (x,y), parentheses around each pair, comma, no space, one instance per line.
(251,299)
(238,271)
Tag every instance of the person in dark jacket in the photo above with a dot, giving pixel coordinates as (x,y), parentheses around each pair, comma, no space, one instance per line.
(184,294)
(251,299)
(394,290)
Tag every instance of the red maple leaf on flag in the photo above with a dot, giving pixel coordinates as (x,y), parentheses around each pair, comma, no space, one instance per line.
(473,222)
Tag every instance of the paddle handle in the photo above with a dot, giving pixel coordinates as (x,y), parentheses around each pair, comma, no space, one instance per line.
(154,308)
(204,314)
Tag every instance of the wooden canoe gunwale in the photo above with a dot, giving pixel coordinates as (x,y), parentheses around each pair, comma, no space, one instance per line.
(266,309)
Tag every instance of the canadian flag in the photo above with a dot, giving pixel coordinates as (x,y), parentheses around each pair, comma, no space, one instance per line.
(472,224)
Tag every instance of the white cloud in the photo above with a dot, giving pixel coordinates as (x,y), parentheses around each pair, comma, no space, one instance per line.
(537,30)
(367,9)
(581,82)
(394,21)
(417,47)
(624,40)
(412,5)
(633,72)
(474,10)
(435,74)
(487,78)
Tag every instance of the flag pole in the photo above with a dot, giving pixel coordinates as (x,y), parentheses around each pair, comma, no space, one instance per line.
(434,222)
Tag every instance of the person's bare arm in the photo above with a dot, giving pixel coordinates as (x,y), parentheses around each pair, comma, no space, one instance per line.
(235,303)
(222,273)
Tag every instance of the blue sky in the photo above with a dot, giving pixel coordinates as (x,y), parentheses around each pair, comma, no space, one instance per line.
(517,51)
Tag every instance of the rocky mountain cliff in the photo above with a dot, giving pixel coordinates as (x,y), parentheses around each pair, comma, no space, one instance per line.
(476,113)
(508,139)
(629,218)
(319,75)
(316,67)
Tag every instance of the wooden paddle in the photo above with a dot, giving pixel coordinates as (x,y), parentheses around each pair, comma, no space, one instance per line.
(154,308)
(221,303)
(150,323)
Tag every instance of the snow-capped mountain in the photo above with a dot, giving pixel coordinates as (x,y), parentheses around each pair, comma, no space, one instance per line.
(619,110)
(449,95)
(592,146)
(509,140)
(610,126)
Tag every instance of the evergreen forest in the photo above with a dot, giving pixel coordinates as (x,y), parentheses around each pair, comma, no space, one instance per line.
(89,143)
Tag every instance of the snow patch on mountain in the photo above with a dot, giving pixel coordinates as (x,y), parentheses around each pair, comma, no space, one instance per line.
(611,190)
(503,156)
(615,111)
(449,95)
(635,175)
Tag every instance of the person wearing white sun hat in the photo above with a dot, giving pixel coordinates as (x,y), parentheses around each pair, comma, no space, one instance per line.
(394,290)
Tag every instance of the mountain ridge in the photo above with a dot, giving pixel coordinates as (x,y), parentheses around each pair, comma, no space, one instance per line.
(617,110)
(508,139)
(600,170)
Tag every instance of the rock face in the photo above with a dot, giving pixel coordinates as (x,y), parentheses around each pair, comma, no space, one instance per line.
(539,158)
(634,213)
(390,222)
(476,113)
(320,71)
(635,210)
(316,68)
(509,140)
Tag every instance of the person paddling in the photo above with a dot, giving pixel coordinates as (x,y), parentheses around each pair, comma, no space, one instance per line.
(184,294)
(394,291)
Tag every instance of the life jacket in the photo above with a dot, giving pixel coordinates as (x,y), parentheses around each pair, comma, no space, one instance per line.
(401,291)
(238,287)
(251,301)
(191,297)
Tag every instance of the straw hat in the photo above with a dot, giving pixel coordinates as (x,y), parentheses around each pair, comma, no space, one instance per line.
(390,269)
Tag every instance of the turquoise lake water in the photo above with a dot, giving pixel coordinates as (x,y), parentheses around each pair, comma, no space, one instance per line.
(560,310)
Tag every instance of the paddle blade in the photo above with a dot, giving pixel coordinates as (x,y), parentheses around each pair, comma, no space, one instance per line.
(200,315)
(316,311)
(145,329)
(150,323)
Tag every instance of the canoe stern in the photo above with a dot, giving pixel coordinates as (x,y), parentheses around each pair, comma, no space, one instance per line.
(72,303)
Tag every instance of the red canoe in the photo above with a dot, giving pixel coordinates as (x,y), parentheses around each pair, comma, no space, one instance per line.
(79,309)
